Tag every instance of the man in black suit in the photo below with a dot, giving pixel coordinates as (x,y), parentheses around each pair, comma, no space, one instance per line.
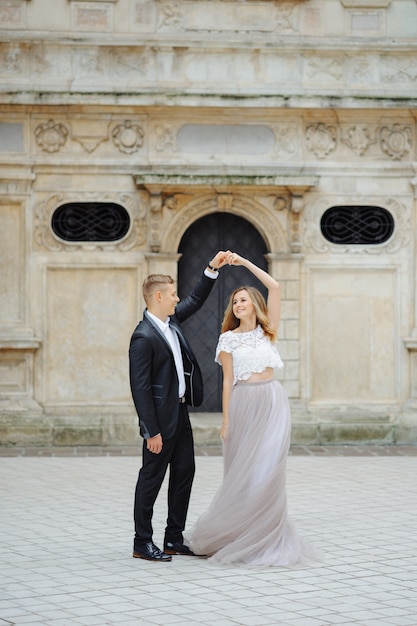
(164,378)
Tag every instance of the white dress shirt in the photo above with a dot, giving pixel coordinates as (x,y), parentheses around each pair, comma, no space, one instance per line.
(172,338)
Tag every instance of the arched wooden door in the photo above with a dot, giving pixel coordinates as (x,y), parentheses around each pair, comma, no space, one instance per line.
(217,231)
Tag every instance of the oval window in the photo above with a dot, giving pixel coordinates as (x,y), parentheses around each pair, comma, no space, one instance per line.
(357,225)
(90,221)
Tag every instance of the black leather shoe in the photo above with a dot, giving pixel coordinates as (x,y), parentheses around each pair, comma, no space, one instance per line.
(174,547)
(150,552)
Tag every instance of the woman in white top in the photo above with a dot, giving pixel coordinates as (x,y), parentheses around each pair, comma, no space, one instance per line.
(247,520)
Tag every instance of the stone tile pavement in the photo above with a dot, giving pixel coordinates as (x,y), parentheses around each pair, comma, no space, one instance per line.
(66,539)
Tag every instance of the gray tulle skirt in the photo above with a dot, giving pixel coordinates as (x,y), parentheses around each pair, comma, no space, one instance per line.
(247,521)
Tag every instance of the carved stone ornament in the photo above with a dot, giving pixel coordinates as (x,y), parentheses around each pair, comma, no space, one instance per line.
(165,138)
(171,14)
(51,136)
(89,135)
(313,238)
(46,239)
(358,138)
(128,137)
(170,202)
(396,141)
(321,139)
(280,203)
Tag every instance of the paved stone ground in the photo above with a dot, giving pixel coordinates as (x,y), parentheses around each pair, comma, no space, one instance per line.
(66,539)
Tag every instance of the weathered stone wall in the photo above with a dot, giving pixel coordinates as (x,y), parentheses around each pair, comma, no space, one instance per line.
(274,111)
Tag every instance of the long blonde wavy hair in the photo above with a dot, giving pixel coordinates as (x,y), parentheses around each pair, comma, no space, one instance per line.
(230,321)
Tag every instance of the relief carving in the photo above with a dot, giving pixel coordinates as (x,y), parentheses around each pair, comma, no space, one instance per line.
(89,140)
(128,137)
(165,139)
(358,138)
(141,62)
(363,69)
(12,14)
(401,69)
(11,60)
(89,63)
(286,18)
(297,205)
(330,67)
(51,136)
(321,139)
(171,15)
(396,141)
(169,202)
(155,203)
(280,203)
(286,140)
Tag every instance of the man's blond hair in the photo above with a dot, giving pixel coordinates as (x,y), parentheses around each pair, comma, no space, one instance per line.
(154,283)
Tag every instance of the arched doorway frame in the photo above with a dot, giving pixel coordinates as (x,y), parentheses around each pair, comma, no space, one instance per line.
(205,203)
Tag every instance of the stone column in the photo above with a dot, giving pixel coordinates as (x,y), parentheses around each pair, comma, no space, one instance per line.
(407,429)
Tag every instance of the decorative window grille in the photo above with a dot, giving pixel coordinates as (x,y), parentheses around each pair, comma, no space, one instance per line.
(370,225)
(90,221)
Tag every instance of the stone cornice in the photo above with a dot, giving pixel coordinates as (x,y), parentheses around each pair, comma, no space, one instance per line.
(173,182)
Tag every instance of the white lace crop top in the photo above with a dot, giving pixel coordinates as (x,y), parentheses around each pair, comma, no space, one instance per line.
(252,352)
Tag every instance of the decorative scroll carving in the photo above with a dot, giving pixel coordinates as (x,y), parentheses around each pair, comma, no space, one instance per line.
(128,137)
(396,141)
(45,238)
(358,138)
(321,139)
(51,136)
(313,238)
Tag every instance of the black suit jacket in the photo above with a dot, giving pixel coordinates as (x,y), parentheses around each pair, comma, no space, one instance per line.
(153,375)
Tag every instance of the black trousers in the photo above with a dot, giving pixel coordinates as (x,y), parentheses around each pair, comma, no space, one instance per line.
(177,453)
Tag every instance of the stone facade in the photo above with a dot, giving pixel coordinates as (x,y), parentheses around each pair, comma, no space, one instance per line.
(274,111)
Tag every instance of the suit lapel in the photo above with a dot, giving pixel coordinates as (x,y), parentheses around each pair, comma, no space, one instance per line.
(158,331)
(183,342)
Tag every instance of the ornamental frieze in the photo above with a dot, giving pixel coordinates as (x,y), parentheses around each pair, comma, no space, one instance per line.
(192,69)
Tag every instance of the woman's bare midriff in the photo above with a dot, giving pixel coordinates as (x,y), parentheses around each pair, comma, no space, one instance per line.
(267,374)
